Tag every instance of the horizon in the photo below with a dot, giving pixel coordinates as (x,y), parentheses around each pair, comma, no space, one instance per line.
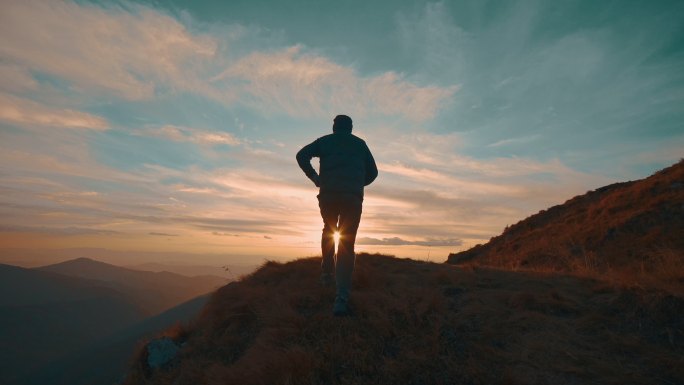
(168,129)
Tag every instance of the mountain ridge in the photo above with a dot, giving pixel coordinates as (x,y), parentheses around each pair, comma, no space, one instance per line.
(154,292)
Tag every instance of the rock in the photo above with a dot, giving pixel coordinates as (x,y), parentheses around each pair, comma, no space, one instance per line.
(160,352)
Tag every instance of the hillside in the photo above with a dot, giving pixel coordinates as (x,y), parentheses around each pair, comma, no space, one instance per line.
(27,287)
(44,315)
(633,227)
(425,323)
(57,313)
(105,361)
(153,292)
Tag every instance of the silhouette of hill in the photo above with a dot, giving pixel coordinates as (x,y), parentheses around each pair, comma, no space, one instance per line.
(153,292)
(633,226)
(105,361)
(26,287)
(43,315)
(425,323)
(55,311)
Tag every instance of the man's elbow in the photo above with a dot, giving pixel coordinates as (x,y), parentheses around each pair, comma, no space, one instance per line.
(371,178)
(302,158)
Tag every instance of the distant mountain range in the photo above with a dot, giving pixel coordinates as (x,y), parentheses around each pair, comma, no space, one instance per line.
(630,225)
(151,292)
(50,312)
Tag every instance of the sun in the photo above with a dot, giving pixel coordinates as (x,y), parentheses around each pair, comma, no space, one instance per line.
(336,236)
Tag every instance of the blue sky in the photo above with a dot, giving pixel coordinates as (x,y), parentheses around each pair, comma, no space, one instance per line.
(172,126)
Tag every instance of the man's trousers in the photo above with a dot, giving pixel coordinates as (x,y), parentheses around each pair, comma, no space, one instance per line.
(341,213)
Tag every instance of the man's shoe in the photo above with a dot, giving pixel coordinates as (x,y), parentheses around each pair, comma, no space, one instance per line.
(327,280)
(341,307)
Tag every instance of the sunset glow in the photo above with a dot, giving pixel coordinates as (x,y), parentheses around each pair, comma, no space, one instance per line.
(138,127)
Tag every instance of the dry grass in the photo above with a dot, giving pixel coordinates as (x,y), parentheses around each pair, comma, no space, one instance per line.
(627,233)
(424,323)
(661,269)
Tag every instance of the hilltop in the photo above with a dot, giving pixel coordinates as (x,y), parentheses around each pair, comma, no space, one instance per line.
(631,227)
(520,309)
(425,323)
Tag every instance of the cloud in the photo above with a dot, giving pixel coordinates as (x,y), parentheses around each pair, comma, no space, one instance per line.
(28,113)
(16,79)
(63,231)
(220,234)
(135,53)
(163,234)
(196,190)
(514,141)
(304,84)
(426,177)
(433,41)
(192,135)
(396,241)
(128,52)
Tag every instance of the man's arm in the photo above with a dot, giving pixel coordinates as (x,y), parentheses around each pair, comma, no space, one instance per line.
(371,168)
(304,160)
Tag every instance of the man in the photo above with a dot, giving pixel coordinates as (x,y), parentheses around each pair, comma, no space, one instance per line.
(346,166)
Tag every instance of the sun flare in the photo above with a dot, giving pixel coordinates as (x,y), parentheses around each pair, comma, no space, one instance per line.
(336,236)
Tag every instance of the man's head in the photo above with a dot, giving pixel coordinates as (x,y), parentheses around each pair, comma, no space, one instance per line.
(342,123)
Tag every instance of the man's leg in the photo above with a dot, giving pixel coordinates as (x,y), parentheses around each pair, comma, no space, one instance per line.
(350,216)
(329,213)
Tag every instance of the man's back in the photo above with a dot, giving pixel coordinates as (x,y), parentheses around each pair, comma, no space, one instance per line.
(346,163)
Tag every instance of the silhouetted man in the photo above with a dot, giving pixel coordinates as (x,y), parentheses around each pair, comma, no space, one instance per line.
(346,166)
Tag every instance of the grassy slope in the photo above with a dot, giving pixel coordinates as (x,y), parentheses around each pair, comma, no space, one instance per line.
(426,323)
(629,227)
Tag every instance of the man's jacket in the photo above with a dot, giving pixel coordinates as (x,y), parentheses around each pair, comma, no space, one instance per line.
(346,166)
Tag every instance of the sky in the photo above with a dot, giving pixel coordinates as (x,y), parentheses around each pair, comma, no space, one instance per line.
(170,127)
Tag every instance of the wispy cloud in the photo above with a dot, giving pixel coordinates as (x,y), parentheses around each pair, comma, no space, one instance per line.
(64,231)
(514,141)
(304,84)
(192,135)
(29,113)
(128,52)
(162,234)
(142,53)
(16,78)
